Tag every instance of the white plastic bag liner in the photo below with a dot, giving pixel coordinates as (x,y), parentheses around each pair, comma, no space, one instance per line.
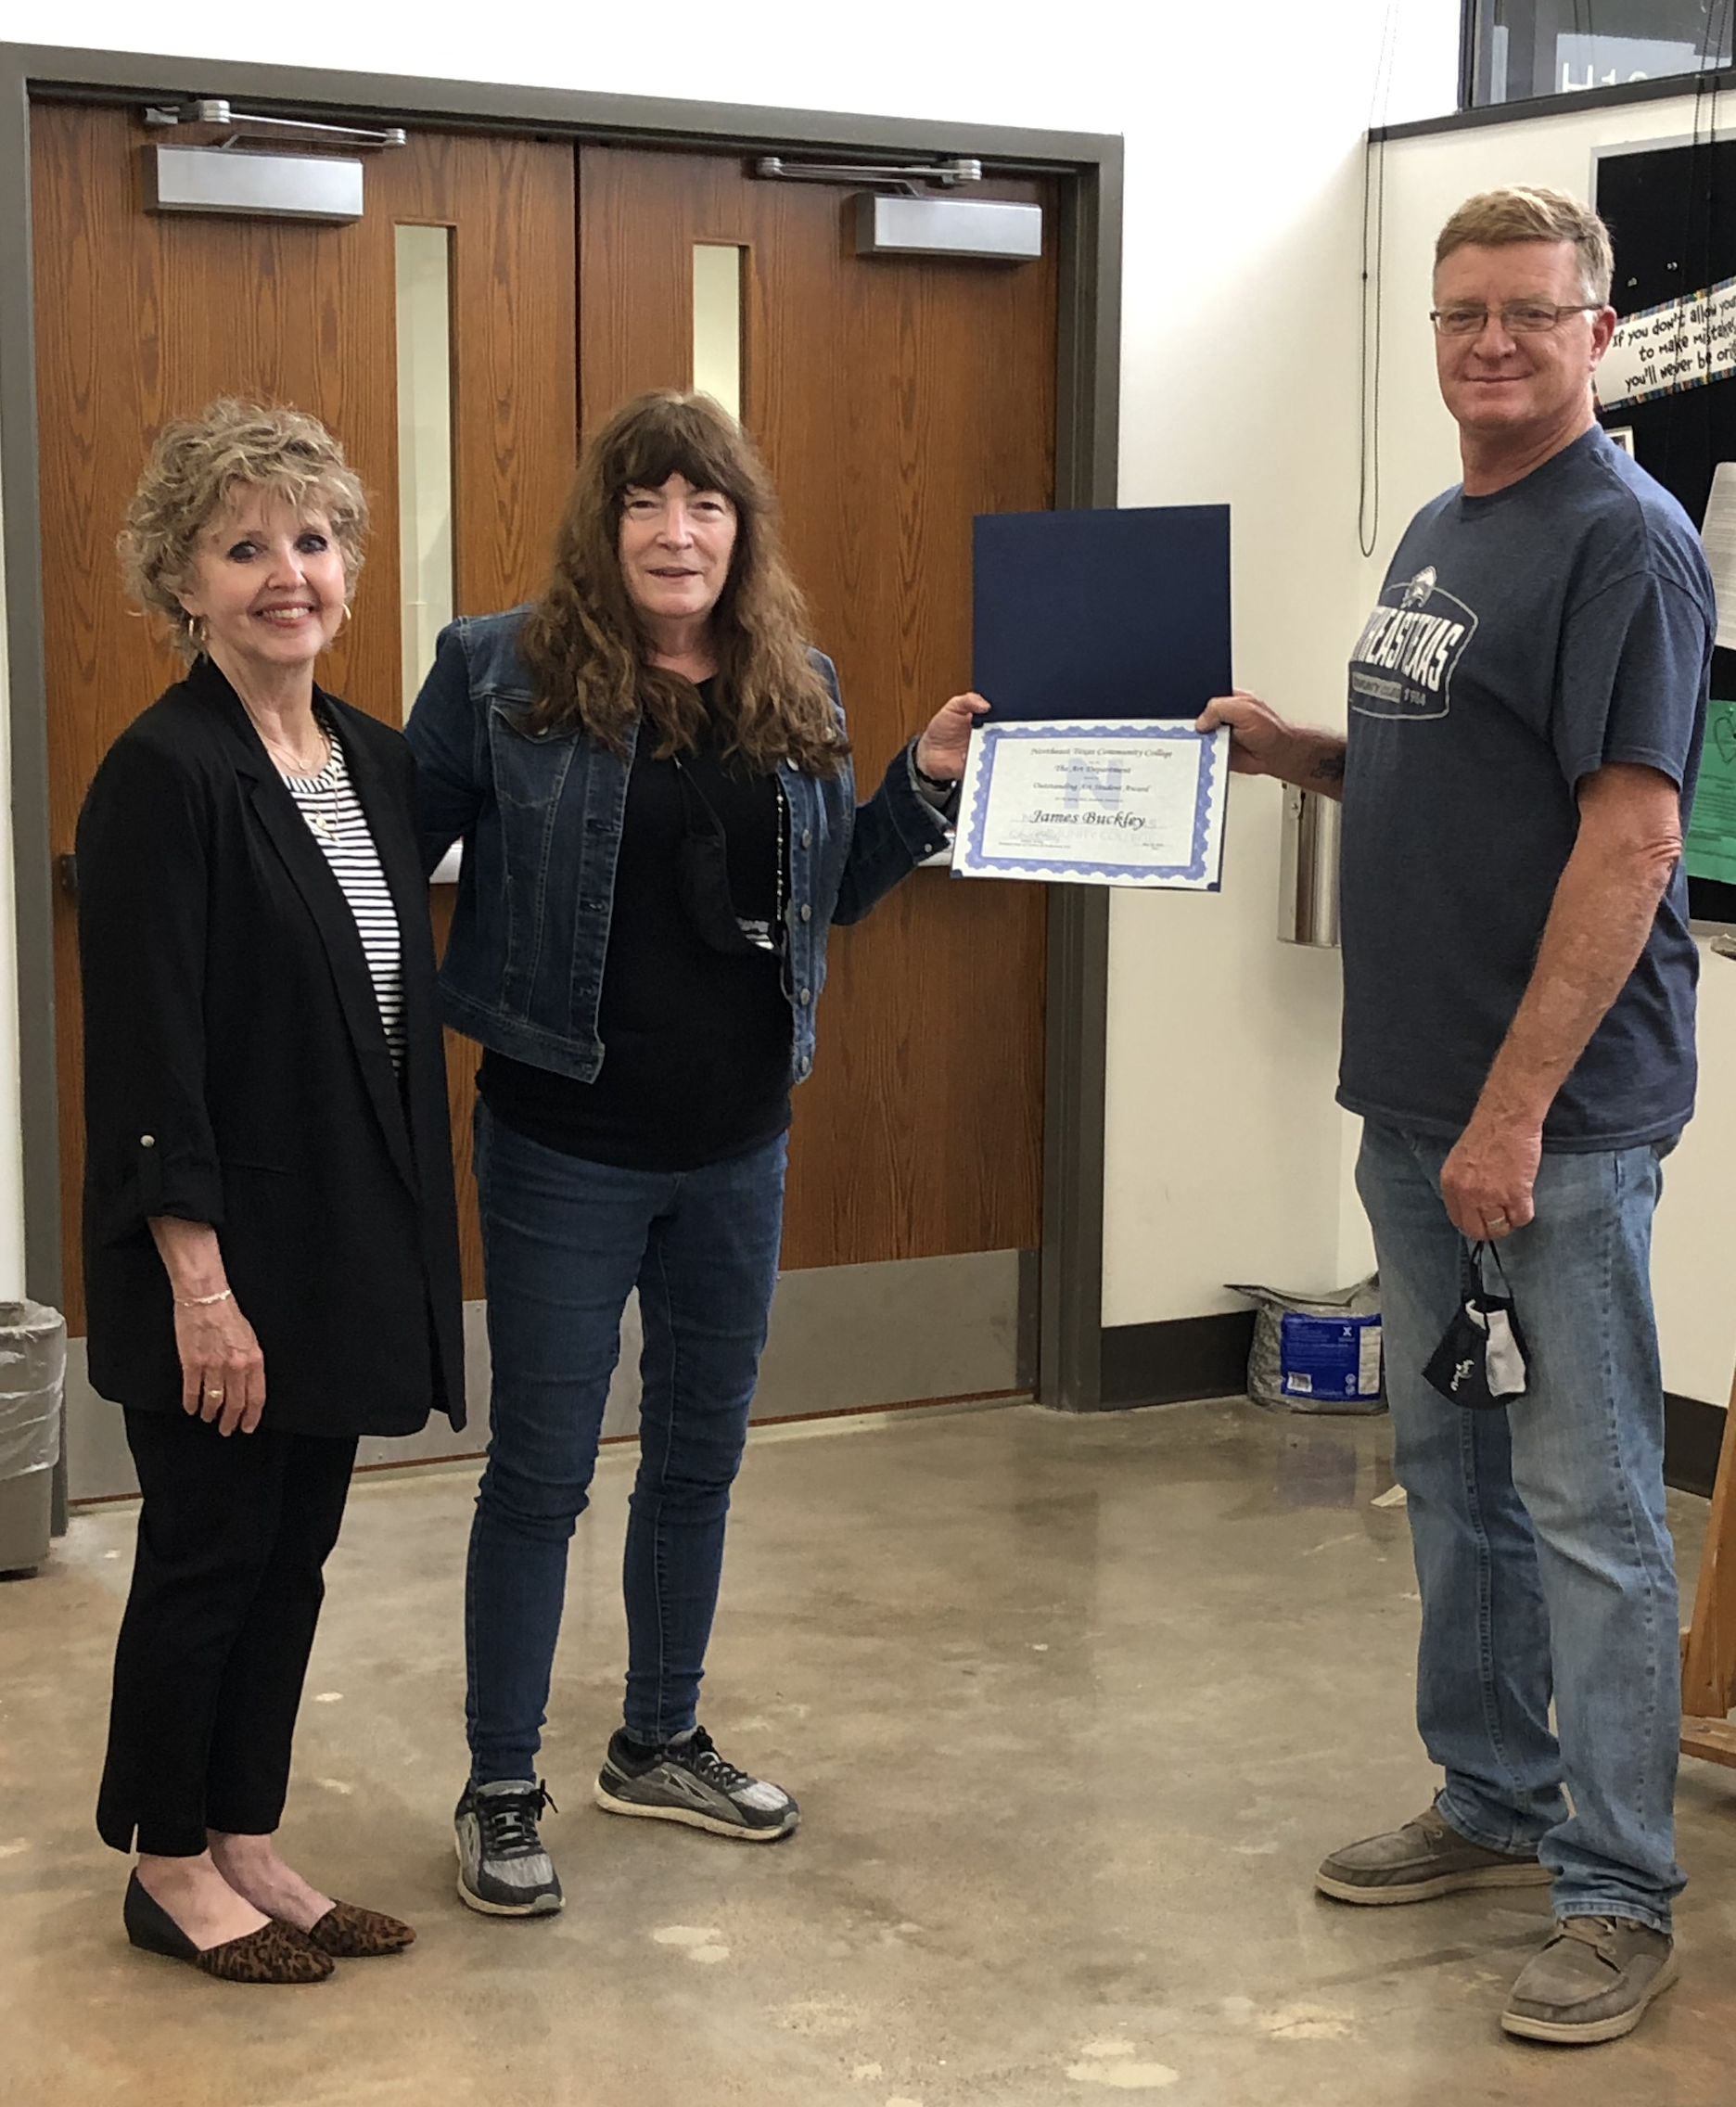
(33,1377)
(1315,1353)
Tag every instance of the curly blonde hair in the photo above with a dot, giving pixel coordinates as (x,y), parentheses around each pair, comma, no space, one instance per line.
(583,642)
(197,464)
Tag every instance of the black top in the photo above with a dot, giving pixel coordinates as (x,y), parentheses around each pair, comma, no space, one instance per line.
(696,1039)
(237,1072)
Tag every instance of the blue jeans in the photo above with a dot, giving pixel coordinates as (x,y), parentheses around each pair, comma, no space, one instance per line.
(564,1242)
(1544,1562)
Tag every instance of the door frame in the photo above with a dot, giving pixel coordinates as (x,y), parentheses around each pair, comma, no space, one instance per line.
(1086,167)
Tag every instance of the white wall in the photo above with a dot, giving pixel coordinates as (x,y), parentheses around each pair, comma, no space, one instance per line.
(1227,1159)
(1242,129)
(1213,94)
(1695,1244)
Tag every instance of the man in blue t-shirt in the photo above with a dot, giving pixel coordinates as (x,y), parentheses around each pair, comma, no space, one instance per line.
(1527,703)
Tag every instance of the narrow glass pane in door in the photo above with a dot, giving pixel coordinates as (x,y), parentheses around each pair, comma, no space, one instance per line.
(425,445)
(717,329)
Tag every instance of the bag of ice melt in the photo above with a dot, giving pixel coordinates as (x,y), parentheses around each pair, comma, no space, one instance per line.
(1315,1353)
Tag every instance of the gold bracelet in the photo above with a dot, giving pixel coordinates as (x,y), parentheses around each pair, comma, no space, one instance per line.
(203,1301)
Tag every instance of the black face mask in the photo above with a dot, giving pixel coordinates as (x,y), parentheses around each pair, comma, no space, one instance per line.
(703,875)
(1481,1362)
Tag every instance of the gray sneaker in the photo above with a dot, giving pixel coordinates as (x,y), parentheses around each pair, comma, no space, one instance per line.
(1424,1859)
(503,1869)
(1592,1982)
(689,1781)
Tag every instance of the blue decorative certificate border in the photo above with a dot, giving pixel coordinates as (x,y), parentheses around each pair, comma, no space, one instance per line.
(1178,733)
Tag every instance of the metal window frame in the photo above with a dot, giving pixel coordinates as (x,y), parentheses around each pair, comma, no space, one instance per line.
(1702,80)
(1467,53)
(1087,167)
(1703,88)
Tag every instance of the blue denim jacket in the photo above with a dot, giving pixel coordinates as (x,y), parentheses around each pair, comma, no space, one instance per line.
(540,816)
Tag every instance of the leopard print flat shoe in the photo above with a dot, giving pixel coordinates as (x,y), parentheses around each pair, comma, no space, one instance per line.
(348,1933)
(275,1953)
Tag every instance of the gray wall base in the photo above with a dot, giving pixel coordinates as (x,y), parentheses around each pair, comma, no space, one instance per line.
(843,1338)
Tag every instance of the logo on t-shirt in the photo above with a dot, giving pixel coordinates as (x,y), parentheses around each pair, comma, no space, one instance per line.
(1403,662)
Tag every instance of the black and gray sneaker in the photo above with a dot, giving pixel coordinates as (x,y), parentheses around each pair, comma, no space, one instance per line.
(503,1869)
(689,1781)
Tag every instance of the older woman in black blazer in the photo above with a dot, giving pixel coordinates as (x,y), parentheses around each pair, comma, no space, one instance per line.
(271,1253)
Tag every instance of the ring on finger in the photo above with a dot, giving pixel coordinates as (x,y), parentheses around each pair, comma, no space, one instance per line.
(216,1397)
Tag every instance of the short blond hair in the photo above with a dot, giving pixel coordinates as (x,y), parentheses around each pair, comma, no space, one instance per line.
(1493,219)
(196,464)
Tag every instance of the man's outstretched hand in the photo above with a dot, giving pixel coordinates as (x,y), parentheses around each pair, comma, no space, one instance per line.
(1262,743)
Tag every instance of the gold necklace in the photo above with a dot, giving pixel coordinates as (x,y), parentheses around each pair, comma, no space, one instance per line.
(286,760)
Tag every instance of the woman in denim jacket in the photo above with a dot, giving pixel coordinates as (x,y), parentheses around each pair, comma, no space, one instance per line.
(649,773)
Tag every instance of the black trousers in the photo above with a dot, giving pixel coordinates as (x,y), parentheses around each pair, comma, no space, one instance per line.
(213,1647)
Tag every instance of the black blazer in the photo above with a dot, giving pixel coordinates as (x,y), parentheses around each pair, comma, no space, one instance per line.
(237,1073)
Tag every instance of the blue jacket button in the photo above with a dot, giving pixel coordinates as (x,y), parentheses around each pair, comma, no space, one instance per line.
(807,997)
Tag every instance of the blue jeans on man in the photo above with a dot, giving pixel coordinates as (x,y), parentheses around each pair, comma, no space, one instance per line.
(1543,1557)
(565,1242)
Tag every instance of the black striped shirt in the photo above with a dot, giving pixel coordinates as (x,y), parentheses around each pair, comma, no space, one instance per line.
(336,821)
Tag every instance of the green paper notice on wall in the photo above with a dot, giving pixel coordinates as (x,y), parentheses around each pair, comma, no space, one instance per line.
(1711,844)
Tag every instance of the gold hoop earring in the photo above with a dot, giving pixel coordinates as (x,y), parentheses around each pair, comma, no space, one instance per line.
(343,619)
(196,631)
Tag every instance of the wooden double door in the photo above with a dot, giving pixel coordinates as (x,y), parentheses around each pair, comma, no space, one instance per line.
(894,398)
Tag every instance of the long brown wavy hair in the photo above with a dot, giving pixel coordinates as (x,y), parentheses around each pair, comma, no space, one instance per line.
(589,658)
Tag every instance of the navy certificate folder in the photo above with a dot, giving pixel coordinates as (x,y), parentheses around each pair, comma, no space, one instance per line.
(1101,614)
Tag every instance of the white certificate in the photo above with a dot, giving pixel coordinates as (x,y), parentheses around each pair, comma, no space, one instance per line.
(1128,803)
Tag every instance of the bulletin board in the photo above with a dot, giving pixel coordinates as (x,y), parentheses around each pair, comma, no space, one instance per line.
(1671,212)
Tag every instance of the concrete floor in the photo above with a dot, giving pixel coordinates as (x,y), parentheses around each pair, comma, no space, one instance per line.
(1072,1708)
